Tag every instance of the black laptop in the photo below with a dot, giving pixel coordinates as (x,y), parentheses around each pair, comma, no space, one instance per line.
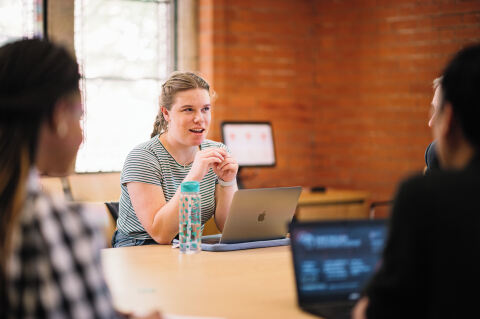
(333,260)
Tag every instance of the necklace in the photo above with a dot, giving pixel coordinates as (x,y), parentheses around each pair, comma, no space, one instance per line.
(186,164)
(165,144)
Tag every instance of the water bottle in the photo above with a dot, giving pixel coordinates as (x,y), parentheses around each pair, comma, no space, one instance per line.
(189,218)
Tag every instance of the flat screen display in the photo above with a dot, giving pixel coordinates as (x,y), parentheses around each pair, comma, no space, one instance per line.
(336,259)
(251,143)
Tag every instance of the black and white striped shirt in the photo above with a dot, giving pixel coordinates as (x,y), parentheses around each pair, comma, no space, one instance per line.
(151,163)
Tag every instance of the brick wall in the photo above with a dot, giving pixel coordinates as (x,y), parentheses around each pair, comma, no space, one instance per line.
(346,84)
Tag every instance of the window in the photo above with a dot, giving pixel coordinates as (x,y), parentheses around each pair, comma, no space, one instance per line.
(125,52)
(19,19)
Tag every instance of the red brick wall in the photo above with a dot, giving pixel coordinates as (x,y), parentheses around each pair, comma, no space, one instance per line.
(346,84)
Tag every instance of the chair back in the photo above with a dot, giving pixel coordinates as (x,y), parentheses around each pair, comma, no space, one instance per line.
(380,204)
(113,208)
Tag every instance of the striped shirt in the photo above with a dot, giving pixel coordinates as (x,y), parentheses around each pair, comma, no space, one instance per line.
(151,163)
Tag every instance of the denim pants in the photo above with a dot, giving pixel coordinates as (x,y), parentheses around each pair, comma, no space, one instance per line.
(119,239)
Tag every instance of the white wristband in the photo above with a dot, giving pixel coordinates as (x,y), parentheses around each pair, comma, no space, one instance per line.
(226,184)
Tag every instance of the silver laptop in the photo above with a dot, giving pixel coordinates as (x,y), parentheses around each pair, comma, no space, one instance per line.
(258,214)
(333,261)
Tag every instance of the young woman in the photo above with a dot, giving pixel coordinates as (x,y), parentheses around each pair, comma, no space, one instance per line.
(49,252)
(178,151)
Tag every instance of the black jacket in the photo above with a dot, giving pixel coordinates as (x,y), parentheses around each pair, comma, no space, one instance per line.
(431,262)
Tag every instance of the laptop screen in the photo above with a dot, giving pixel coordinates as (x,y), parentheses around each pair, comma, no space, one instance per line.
(334,260)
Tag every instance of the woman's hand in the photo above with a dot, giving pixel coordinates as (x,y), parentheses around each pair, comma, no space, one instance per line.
(204,160)
(360,309)
(226,170)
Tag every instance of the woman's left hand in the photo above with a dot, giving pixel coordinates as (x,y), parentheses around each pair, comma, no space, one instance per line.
(226,170)
(360,309)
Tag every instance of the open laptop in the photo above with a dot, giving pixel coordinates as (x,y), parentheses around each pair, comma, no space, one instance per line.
(333,260)
(258,215)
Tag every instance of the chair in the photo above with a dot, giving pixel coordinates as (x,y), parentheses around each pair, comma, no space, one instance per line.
(96,212)
(113,208)
(374,205)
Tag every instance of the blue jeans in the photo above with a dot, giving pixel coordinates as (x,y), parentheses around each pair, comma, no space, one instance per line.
(119,239)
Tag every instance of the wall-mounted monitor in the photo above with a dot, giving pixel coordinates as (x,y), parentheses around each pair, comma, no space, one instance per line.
(251,143)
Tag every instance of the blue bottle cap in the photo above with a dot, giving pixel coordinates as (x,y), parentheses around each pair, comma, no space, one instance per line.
(190,187)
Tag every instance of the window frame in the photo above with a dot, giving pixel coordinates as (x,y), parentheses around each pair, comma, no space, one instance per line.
(79,46)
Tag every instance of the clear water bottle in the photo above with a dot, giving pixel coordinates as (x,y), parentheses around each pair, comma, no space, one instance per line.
(190,218)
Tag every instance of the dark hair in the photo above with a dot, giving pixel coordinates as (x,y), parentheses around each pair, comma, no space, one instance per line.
(461,87)
(177,82)
(34,74)
(431,159)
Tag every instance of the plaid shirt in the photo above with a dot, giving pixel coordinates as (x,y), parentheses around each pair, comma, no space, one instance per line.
(54,268)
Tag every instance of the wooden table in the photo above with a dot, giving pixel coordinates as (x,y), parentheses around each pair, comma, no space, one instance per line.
(333,204)
(255,283)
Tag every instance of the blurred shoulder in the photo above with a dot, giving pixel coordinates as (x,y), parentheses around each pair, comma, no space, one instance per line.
(421,186)
(412,187)
(440,189)
(53,220)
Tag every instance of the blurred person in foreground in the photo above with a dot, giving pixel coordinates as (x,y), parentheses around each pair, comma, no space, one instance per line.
(430,261)
(50,251)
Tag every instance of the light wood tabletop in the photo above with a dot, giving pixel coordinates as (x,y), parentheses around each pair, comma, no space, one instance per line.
(254,283)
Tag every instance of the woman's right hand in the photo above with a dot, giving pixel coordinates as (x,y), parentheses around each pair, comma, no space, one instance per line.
(203,161)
